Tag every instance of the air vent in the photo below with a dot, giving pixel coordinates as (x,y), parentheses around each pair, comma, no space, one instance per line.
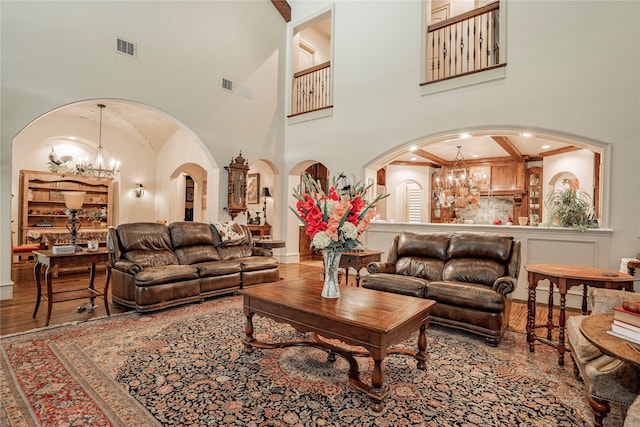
(125,47)
(227,84)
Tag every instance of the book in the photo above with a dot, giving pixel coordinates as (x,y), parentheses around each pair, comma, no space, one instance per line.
(632,306)
(626,325)
(625,332)
(627,316)
(624,337)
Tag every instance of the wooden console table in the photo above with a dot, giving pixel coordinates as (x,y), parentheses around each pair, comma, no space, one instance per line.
(46,258)
(564,277)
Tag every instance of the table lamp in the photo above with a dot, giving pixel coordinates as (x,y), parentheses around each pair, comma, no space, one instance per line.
(265,193)
(73,200)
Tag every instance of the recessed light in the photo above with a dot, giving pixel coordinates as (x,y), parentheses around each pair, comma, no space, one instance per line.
(413,148)
(465,135)
(475,156)
(546,146)
(526,134)
(413,159)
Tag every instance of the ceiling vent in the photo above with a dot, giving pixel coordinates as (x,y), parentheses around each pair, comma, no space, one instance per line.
(125,47)
(227,84)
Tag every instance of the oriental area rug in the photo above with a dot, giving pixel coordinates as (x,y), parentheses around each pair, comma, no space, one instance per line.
(186,366)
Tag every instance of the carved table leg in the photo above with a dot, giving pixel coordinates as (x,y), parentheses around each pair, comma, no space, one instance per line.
(531,312)
(248,330)
(421,356)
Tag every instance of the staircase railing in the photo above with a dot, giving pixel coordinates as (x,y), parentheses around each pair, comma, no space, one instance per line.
(465,44)
(312,89)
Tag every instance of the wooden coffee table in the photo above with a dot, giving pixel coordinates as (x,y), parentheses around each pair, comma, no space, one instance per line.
(361,317)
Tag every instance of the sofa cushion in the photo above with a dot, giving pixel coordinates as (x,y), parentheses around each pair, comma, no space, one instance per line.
(469,295)
(255,263)
(190,234)
(147,258)
(218,268)
(425,268)
(149,236)
(473,270)
(583,349)
(423,245)
(480,245)
(166,274)
(235,252)
(398,284)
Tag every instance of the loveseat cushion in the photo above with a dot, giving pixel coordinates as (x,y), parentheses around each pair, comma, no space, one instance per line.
(480,245)
(423,245)
(473,270)
(462,294)
(166,274)
(147,244)
(396,283)
(425,268)
(193,242)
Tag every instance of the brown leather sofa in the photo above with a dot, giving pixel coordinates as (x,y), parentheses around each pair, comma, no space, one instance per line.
(154,266)
(470,275)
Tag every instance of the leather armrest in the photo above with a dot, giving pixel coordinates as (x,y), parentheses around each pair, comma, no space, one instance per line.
(261,252)
(127,266)
(505,284)
(381,267)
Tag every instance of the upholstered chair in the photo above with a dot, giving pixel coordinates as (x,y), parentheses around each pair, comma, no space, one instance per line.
(606,379)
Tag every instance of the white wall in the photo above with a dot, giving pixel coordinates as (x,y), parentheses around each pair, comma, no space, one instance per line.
(581,95)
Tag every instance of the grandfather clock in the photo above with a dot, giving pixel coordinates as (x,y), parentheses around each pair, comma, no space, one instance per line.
(237,197)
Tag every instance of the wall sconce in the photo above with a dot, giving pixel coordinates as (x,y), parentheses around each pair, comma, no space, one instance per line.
(265,193)
(138,191)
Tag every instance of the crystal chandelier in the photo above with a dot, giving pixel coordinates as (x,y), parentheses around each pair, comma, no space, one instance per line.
(98,169)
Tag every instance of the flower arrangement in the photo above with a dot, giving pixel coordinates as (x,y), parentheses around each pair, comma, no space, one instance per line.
(335,220)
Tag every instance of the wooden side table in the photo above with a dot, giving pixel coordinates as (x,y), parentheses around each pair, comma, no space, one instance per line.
(46,258)
(259,231)
(564,277)
(358,260)
(269,243)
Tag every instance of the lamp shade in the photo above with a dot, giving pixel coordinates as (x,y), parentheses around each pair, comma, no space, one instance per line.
(73,199)
(265,192)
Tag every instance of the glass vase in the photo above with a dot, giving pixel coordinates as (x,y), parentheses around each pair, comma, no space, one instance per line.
(331,260)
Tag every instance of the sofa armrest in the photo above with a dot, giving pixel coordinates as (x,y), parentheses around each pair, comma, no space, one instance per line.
(127,266)
(381,267)
(261,252)
(505,284)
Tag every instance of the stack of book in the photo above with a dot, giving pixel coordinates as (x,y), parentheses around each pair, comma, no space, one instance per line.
(626,321)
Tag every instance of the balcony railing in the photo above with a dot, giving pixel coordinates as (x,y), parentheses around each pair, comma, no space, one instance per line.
(312,89)
(465,44)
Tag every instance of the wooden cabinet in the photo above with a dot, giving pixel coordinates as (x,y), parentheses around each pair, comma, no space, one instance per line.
(42,207)
(534,194)
(259,231)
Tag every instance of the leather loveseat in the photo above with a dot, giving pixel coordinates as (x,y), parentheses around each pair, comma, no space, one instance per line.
(470,276)
(154,266)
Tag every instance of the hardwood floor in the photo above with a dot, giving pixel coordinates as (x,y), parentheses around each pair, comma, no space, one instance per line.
(16,313)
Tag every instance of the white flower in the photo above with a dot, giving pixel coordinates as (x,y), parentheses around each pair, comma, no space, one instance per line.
(349,231)
(328,209)
(321,240)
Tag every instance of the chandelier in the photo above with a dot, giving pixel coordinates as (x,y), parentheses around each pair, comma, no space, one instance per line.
(98,169)
(453,186)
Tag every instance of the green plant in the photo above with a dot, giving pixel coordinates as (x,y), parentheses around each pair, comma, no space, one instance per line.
(569,208)
(97,215)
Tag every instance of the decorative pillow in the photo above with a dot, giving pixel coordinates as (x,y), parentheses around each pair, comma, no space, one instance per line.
(230,232)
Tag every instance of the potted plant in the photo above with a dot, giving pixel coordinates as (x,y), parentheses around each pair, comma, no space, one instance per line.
(97,216)
(569,208)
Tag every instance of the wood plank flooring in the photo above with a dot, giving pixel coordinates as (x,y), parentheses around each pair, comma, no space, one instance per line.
(16,314)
